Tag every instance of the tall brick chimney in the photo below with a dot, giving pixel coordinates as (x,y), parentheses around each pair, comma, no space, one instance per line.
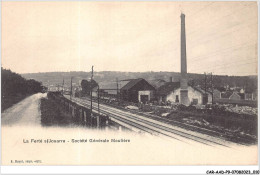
(184,81)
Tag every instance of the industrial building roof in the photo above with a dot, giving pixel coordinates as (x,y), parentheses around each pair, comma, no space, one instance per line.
(157,83)
(201,90)
(131,83)
(168,87)
(226,94)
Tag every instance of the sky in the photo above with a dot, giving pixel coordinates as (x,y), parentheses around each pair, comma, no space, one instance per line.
(221,37)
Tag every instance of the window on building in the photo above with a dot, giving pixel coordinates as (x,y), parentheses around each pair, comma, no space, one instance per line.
(195,101)
(177,99)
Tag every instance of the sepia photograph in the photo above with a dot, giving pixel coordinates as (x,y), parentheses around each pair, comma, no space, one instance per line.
(129,83)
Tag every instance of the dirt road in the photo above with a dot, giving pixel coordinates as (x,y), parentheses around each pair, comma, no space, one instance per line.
(26,112)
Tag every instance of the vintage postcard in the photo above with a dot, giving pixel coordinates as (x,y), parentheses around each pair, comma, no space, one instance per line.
(129,83)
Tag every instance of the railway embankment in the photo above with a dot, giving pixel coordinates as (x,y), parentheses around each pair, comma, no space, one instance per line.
(59,111)
(52,114)
(230,122)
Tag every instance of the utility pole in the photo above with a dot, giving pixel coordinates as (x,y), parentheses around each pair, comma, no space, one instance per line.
(91,89)
(70,88)
(205,82)
(63,86)
(98,117)
(205,95)
(117,89)
(212,87)
(48,86)
(98,101)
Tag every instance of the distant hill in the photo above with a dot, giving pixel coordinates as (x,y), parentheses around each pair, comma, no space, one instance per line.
(55,78)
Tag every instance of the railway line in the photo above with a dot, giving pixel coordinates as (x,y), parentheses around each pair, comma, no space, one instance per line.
(225,135)
(140,123)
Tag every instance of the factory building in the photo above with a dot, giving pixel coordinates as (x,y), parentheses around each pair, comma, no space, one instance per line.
(171,92)
(137,90)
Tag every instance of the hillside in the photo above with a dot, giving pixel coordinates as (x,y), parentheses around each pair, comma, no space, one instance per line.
(108,77)
(14,88)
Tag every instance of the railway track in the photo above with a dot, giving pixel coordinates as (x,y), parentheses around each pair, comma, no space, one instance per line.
(151,126)
(223,135)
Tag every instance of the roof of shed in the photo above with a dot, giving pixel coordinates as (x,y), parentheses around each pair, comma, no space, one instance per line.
(157,83)
(226,94)
(168,87)
(131,83)
(201,90)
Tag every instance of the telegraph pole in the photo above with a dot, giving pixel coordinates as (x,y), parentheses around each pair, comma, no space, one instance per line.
(117,89)
(205,82)
(212,86)
(48,86)
(70,88)
(91,89)
(98,101)
(205,95)
(63,86)
(98,117)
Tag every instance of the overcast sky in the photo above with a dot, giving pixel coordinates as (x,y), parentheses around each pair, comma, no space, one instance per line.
(129,36)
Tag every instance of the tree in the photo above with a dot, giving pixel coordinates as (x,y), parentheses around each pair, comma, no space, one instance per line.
(87,86)
(15,87)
